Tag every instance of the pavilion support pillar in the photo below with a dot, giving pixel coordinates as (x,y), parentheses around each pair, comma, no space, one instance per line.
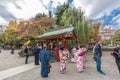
(65,43)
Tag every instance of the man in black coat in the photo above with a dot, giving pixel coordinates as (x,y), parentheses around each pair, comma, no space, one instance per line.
(116,54)
(26,54)
(36,54)
(98,52)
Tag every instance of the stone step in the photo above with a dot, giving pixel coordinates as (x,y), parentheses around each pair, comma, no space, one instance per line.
(13,71)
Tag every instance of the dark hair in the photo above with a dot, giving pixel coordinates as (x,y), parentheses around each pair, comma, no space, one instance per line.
(44,47)
(80,46)
(117,49)
(76,48)
(56,45)
(61,48)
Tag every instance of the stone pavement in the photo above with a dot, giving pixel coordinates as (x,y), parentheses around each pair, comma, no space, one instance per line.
(11,72)
(90,73)
(8,60)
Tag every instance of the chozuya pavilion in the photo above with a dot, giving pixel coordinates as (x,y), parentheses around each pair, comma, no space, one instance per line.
(59,35)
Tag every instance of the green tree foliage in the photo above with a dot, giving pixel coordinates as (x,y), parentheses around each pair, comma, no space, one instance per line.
(39,15)
(50,14)
(77,19)
(1,35)
(60,12)
(116,37)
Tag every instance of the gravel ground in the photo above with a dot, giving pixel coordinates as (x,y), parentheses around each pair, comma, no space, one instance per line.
(90,73)
(8,60)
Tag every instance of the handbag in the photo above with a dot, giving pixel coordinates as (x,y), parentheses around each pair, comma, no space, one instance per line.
(117,54)
(49,65)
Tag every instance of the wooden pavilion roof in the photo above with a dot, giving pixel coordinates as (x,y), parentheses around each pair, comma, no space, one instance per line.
(56,32)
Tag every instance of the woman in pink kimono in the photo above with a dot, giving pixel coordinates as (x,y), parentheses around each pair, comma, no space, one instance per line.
(84,56)
(74,50)
(79,60)
(64,54)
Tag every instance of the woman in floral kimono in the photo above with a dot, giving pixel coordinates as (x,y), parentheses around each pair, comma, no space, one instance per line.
(79,60)
(73,54)
(64,54)
(83,49)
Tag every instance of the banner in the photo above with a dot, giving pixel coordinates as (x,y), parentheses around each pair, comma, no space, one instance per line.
(26,43)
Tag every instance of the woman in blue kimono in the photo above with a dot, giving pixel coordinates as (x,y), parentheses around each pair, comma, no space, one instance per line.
(44,58)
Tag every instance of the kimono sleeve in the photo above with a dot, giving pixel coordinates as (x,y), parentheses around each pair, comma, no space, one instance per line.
(48,56)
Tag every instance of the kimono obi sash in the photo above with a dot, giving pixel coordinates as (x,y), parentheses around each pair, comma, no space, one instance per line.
(82,53)
(63,55)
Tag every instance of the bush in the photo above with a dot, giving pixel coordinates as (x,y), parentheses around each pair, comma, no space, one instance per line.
(22,54)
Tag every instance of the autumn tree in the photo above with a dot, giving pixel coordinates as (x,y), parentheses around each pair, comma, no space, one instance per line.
(10,34)
(34,27)
(27,29)
(12,26)
(94,33)
(96,27)
(116,37)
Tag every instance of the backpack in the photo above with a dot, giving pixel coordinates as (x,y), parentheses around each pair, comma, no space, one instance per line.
(117,54)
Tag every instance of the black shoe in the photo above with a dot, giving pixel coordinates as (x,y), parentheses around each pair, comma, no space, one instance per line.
(26,63)
(44,76)
(101,72)
(37,64)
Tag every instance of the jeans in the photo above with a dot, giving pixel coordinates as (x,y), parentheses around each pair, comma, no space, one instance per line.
(98,64)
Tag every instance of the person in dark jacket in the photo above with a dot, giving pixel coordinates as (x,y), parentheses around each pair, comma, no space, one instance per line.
(12,49)
(26,54)
(116,54)
(98,52)
(0,48)
(36,54)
